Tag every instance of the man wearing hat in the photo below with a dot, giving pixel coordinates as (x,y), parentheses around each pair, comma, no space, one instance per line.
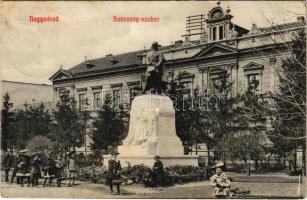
(49,170)
(221,182)
(113,176)
(7,164)
(157,172)
(15,161)
(35,169)
(24,167)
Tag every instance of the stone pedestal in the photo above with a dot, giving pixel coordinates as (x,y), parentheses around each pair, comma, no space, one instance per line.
(152,132)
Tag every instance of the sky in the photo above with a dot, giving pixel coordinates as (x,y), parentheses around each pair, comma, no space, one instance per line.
(33,52)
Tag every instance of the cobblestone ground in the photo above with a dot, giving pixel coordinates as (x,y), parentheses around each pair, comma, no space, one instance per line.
(190,190)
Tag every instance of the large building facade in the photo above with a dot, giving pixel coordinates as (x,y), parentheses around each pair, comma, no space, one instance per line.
(246,56)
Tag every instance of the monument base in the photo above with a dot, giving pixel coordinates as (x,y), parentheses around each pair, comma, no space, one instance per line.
(152,132)
(149,160)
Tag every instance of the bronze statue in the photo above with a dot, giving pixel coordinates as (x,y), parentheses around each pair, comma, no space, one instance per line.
(154,77)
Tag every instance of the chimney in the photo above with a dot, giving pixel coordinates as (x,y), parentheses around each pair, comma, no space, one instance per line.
(300,19)
(111,58)
(89,65)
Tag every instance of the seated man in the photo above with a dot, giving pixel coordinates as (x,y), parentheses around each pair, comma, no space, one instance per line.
(221,183)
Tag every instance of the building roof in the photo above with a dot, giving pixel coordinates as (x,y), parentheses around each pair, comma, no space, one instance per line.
(110,62)
(280,27)
(24,83)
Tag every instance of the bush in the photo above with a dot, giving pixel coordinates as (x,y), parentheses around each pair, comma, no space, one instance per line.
(93,174)
(186,173)
(135,175)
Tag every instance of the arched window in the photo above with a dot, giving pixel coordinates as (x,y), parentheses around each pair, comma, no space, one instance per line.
(218,78)
(253,72)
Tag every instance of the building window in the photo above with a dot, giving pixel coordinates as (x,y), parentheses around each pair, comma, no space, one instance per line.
(82,101)
(221,32)
(253,81)
(132,93)
(64,94)
(116,97)
(187,85)
(170,75)
(218,79)
(214,33)
(253,72)
(97,101)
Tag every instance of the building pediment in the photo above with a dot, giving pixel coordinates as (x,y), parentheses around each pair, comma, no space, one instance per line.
(253,66)
(216,50)
(185,75)
(60,75)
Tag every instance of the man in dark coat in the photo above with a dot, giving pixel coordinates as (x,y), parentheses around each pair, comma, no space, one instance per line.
(113,176)
(7,164)
(24,167)
(49,170)
(35,169)
(157,172)
(15,161)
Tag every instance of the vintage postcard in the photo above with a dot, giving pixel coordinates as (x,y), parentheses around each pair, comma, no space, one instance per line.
(153,99)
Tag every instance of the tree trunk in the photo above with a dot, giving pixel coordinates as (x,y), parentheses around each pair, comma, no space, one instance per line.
(284,162)
(247,168)
(304,160)
(208,154)
(196,149)
(256,164)
(291,165)
(294,161)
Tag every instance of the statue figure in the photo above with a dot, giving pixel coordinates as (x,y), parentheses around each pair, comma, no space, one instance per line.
(155,75)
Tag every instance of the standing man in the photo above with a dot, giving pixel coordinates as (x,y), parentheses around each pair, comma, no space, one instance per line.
(49,169)
(113,176)
(24,167)
(158,172)
(59,169)
(155,75)
(35,169)
(72,168)
(15,161)
(7,164)
(221,183)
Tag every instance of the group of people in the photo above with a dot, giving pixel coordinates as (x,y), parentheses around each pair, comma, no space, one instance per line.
(220,181)
(32,168)
(37,166)
(114,173)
